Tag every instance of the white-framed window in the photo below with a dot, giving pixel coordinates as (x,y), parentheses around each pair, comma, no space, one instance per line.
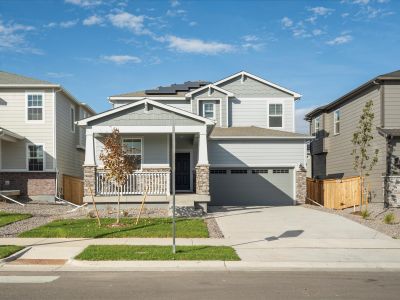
(336,121)
(133,148)
(208,110)
(275,116)
(72,119)
(317,125)
(34,107)
(35,157)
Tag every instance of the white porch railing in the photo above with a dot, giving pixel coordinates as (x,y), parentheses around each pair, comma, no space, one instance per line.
(156,183)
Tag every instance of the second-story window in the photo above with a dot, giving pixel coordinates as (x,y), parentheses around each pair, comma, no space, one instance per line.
(275,115)
(317,126)
(34,107)
(208,110)
(336,121)
(72,119)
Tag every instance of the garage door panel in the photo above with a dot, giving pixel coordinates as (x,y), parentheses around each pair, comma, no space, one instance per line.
(256,187)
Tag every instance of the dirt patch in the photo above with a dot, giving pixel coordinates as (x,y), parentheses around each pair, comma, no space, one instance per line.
(375,220)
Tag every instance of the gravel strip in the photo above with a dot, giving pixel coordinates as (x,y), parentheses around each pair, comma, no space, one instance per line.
(374,221)
(213,229)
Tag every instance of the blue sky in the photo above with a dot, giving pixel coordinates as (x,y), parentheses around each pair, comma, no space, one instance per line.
(97,48)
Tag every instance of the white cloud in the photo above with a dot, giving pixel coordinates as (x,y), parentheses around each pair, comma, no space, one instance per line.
(342,39)
(93,20)
(68,24)
(286,22)
(193,23)
(362,2)
(345,15)
(321,11)
(13,38)
(317,32)
(250,38)
(175,3)
(177,12)
(122,59)
(253,46)
(197,46)
(302,126)
(84,3)
(58,74)
(128,21)
(300,32)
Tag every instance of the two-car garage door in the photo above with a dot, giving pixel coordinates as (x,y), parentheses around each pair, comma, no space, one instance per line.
(252,186)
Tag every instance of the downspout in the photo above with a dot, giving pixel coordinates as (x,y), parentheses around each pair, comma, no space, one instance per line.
(55,138)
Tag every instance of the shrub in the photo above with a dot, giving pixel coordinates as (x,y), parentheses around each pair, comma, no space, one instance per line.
(389,218)
(365,213)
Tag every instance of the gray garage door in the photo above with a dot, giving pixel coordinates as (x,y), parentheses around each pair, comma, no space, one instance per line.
(251,186)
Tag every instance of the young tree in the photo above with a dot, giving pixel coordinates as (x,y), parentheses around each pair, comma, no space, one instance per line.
(116,163)
(362,138)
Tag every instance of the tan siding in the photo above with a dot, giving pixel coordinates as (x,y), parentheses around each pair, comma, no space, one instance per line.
(13,118)
(392,104)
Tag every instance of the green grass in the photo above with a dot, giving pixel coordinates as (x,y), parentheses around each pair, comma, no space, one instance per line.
(147,228)
(8,218)
(389,219)
(6,251)
(365,214)
(128,252)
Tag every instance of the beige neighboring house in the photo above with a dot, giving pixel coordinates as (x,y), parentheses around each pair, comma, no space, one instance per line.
(39,141)
(333,126)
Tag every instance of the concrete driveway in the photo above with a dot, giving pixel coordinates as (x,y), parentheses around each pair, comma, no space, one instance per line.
(295,233)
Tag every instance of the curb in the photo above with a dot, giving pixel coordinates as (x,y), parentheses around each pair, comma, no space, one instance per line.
(15,255)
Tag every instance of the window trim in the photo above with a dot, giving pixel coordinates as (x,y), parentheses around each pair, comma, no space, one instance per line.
(27,157)
(27,93)
(316,132)
(269,115)
(72,122)
(141,149)
(199,101)
(213,110)
(336,121)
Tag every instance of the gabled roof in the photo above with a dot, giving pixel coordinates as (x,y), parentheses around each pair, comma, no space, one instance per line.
(182,112)
(11,78)
(253,132)
(210,86)
(374,81)
(247,74)
(9,135)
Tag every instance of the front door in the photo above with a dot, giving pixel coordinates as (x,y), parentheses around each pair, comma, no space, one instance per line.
(182,171)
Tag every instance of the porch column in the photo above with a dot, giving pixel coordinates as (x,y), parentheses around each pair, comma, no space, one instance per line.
(89,167)
(203,167)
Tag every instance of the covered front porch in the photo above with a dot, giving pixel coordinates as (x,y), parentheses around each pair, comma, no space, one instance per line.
(152,144)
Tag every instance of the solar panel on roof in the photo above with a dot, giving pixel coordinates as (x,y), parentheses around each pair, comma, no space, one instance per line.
(174,88)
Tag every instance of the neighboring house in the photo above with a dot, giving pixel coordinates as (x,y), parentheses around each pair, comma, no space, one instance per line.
(235,143)
(39,142)
(333,126)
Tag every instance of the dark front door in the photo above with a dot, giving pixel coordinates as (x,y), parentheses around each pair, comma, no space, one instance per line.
(182,171)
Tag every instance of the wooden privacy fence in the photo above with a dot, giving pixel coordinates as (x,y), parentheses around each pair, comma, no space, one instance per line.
(335,193)
(73,189)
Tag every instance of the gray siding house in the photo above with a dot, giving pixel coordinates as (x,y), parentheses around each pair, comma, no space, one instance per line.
(39,141)
(333,126)
(235,144)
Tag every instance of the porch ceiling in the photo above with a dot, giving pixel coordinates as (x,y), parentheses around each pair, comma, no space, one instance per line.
(9,136)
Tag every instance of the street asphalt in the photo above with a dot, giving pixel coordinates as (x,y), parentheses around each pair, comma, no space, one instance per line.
(200,285)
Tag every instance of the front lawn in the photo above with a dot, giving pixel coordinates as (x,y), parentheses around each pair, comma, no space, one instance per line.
(8,218)
(128,252)
(7,250)
(147,228)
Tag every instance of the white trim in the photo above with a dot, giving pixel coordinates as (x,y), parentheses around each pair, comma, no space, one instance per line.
(227,113)
(336,121)
(1,155)
(261,137)
(209,86)
(293,116)
(253,166)
(27,157)
(283,113)
(213,110)
(294,186)
(150,129)
(163,106)
(319,125)
(141,138)
(54,129)
(124,98)
(197,103)
(42,93)
(244,73)
(190,151)
(155,166)
(30,85)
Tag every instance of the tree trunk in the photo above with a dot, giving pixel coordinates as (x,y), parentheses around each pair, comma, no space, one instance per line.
(118,209)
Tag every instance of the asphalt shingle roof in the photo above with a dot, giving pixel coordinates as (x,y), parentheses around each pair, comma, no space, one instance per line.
(253,131)
(11,78)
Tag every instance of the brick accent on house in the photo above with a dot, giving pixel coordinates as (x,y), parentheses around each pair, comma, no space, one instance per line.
(392,191)
(203,179)
(301,185)
(89,176)
(29,183)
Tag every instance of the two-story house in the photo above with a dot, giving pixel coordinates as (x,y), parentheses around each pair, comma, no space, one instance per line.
(39,141)
(333,126)
(235,143)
